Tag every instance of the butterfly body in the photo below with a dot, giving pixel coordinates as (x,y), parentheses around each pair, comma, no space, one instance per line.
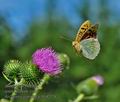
(87,35)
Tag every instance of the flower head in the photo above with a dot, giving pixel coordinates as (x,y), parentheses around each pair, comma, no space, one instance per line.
(99,79)
(47,61)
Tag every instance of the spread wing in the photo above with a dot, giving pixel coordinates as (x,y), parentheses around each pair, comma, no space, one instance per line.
(90,33)
(83,28)
(90,48)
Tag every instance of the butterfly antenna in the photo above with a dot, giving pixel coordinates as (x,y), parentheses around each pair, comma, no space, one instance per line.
(65,38)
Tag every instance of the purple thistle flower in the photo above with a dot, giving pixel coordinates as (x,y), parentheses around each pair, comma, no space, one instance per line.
(98,79)
(47,61)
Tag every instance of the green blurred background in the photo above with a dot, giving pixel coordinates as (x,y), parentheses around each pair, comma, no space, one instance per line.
(35,24)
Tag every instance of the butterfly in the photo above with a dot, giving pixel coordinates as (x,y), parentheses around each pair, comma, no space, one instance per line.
(86,40)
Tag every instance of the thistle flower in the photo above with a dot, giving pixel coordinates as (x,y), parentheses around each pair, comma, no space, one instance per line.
(99,79)
(47,61)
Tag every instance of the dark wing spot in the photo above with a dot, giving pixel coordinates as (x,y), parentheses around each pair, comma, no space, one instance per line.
(83,28)
(89,34)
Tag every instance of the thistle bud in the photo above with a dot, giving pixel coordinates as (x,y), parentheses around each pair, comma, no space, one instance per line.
(90,85)
(29,71)
(64,60)
(11,69)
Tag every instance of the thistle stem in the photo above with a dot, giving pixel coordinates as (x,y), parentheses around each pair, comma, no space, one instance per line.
(16,88)
(79,98)
(39,87)
(91,97)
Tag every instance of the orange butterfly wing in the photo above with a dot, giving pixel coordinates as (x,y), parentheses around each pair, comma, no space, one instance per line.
(90,33)
(83,28)
(86,30)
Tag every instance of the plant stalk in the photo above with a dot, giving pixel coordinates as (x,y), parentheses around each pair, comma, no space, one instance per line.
(16,88)
(79,98)
(39,87)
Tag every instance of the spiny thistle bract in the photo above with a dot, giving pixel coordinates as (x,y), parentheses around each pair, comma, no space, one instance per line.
(29,72)
(11,69)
